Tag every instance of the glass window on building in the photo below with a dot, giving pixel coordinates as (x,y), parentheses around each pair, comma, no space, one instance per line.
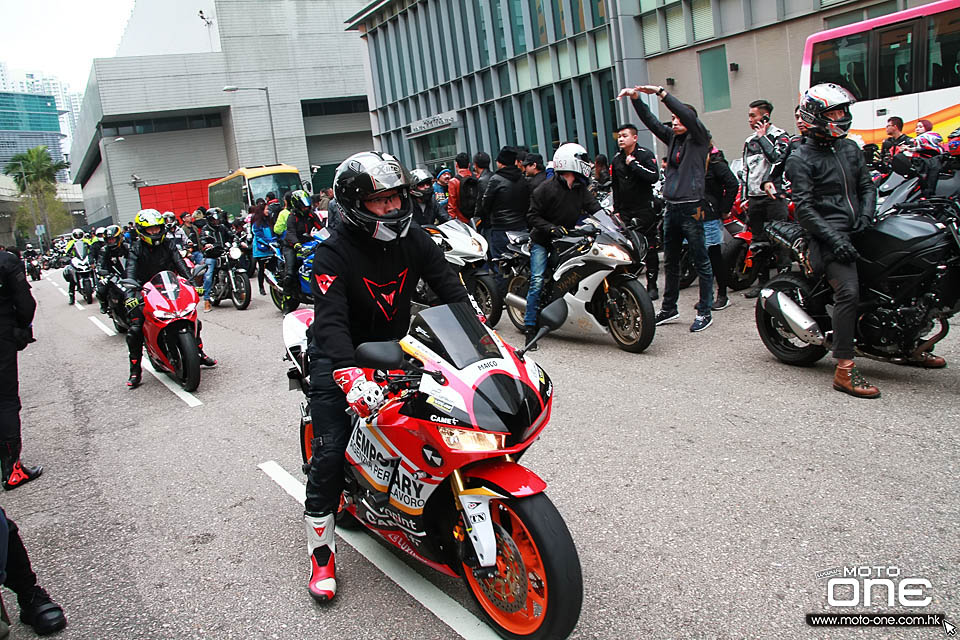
(517,30)
(559,28)
(563,59)
(943,56)
(487,80)
(589,116)
(539,23)
(414,24)
(702,11)
(647,5)
(599,11)
(844,62)
(472,84)
(608,94)
(524,83)
(602,41)
(493,127)
(397,33)
(544,68)
(651,33)
(499,41)
(503,80)
(481,23)
(583,55)
(576,13)
(509,122)
(895,73)
(529,122)
(714,79)
(569,112)
(466,42)
(381,70)
(439,149)
(442,29)
(676,29)
(551,126)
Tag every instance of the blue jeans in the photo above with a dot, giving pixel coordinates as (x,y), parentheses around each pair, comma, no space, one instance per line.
(208,277)
(679,223)
(538,266)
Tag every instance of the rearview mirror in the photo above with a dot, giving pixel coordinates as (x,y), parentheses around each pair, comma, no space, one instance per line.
(554,314)
(379,355)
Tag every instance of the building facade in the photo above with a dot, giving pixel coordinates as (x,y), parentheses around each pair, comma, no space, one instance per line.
(26,121)
(163,95)
(473,75)
(457,75)
(68,102)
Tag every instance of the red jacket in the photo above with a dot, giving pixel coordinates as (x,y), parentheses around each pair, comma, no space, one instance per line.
(453,204)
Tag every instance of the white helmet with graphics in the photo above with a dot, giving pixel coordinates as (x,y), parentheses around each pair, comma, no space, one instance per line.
(572,157)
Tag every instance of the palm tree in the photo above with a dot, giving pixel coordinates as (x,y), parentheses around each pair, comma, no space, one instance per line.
(35,174)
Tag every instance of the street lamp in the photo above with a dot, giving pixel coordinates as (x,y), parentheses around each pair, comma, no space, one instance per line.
(273,137)
(114,215)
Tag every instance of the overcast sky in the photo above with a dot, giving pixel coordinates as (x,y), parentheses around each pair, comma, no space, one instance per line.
(61,37)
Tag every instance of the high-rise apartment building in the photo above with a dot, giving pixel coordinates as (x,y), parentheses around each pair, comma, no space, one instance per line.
(26,121)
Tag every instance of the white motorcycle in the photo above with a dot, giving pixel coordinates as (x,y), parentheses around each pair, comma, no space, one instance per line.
(594,276)
(466,250)
(80,271)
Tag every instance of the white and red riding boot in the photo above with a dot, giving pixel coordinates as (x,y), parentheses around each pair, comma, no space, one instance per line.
(322,547)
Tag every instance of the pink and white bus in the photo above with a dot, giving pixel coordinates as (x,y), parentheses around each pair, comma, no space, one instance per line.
(904,64)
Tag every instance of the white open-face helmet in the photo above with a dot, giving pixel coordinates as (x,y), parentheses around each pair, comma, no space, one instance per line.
(572,157)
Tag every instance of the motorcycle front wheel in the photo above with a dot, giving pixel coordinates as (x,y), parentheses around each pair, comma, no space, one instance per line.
(518,286)
(187,363)
(276,297)
(240,292)
(537,590)
(633,323)
(777,338)
(487,295)
(87,290)
(739,275)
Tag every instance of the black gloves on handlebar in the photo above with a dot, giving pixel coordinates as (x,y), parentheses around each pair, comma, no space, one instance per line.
(557,232)
(843,250)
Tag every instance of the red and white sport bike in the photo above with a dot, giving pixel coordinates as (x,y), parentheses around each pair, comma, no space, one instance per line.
(434,471)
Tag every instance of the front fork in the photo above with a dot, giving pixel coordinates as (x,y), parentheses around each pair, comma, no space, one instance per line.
(474,505)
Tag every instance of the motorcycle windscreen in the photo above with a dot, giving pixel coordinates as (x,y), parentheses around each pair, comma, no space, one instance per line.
(454,332)
(167,283)
(612,227)
(505,404)
(81,248)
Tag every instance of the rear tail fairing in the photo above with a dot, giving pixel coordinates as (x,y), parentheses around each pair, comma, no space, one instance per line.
(461,243)
(295,325)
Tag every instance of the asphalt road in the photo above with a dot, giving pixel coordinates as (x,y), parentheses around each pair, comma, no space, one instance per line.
(704,483)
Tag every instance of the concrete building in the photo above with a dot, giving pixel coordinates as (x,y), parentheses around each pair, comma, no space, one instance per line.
(453,75)
(163,94)
(28,121)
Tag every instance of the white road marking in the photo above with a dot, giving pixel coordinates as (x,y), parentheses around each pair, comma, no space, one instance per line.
(78,305)
(107,330)
(189,398)
(448,610)
(63,291)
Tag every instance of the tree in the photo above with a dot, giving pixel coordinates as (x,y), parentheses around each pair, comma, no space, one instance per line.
(35,174)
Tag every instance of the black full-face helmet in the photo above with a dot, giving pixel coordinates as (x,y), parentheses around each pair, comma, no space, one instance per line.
(363,176)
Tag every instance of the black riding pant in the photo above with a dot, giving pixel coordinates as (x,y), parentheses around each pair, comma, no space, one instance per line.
(843,278)
(19,576)
(9,387)
(646,224)
(763,209)
(331,430)
(290,265)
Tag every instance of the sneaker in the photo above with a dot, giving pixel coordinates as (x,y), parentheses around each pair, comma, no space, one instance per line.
(721,303)
(700,323)
(667,316)
(207,361)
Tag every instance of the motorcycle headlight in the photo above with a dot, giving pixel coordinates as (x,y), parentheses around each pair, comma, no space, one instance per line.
(173,315)
(614,252)
(468,440)
(235,253)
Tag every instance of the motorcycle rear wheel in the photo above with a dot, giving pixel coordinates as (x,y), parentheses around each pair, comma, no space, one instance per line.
(779,340)
(276,297)
(739,276)
(487,295)
(518,285)
(624,330)
(241,297)
(536,557)
(187,365)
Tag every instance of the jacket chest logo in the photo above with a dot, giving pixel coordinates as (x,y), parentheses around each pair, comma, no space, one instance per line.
(385,295)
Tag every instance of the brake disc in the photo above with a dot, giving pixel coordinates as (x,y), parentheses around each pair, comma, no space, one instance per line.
(508,588)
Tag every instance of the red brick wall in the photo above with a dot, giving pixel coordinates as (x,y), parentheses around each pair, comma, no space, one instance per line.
(177,197)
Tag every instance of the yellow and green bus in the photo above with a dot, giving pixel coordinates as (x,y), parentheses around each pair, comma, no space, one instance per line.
(236,193)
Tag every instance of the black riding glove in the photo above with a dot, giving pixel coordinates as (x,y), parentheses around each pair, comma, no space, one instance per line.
(844,251)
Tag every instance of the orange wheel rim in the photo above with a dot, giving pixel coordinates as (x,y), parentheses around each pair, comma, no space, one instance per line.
(307,441)
(516,598)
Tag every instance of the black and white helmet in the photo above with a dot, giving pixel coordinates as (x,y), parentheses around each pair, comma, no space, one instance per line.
(366,174)
(820,99)
(572,157)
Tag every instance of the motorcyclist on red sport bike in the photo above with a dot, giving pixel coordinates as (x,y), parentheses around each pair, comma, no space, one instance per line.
(363,278)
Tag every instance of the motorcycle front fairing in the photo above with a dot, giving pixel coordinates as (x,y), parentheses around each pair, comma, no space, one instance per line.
(170,304)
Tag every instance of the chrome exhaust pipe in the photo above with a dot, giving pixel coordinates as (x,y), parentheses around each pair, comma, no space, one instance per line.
(515,301)
(783,308)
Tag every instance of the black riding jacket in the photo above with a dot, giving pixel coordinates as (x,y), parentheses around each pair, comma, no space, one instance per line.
(299,226)
(217,235)
(832,188)
(146,260)
(554,204)
(720,187)
(427,210)
(506,200)
(16,303)
(632,183)
(362,288)
(112,256)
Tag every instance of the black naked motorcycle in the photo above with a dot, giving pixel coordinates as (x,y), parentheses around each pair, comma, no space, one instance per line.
(909,270)
(230,279)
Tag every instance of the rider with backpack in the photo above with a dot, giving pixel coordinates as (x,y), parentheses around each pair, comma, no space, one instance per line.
(464,190)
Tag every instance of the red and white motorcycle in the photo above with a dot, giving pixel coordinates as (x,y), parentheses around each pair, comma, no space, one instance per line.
(434,470)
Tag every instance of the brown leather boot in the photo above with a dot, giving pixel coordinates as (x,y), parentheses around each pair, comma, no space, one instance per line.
(925,360)
(851,381)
